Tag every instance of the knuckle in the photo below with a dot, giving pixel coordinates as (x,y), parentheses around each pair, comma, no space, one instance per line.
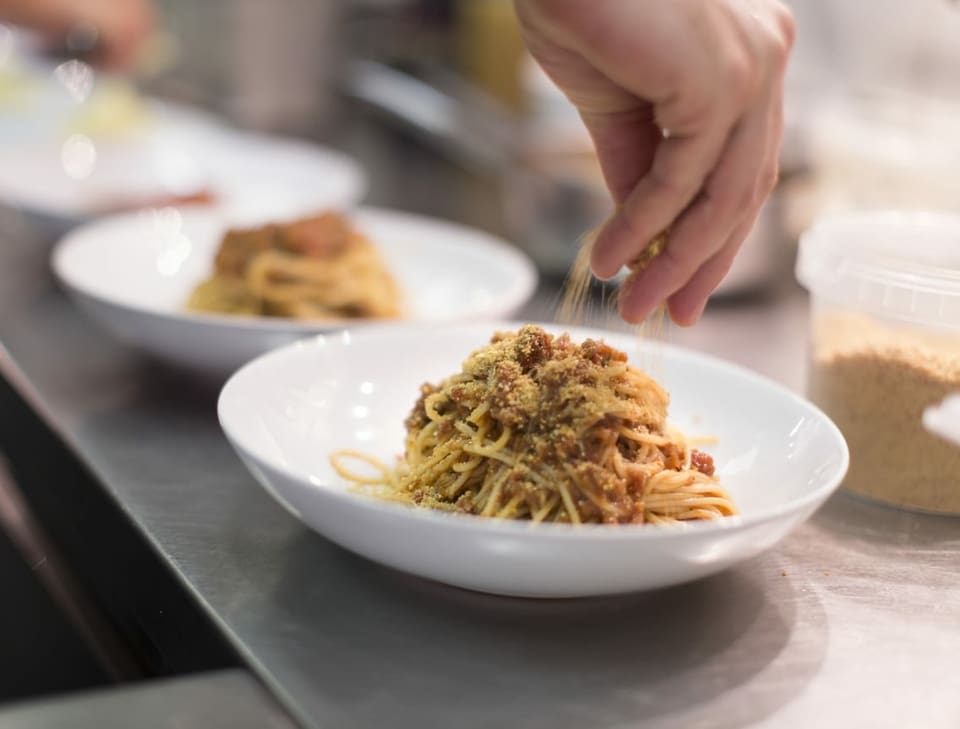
(674,266)
(779,54)
(723,265)
(739,74)
(786,24)
(685,253)
(665,184)
(688,113)
(731,197)
(780,38)
(715,270)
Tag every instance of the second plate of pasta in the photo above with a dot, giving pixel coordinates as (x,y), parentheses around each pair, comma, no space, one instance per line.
(189,288)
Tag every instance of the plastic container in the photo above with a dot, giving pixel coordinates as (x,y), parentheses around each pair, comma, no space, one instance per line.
(885,345)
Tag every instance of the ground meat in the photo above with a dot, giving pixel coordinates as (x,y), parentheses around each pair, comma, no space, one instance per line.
(533,348)
(321,236)
(701,461)
(418,416)
(601,353)
(505,405)
(239,247)
(672,456)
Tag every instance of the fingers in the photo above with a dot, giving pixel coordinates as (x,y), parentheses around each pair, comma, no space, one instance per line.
(679,168)
(732,191)
(709,234)
(625,143)
(731,194)
(687,305)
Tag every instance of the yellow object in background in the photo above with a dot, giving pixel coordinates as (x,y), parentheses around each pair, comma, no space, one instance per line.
(114,109)
(16,87)
(491,49)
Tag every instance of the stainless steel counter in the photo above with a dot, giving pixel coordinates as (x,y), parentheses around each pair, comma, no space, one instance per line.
(854,621)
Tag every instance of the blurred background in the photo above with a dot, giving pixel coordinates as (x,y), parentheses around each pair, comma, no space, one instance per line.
(440,101)
(444,110)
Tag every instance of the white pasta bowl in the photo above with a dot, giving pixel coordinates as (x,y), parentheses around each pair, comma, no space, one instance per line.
(134,273)
(285,413)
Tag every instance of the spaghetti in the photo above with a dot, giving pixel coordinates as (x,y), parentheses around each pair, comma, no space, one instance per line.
(314,268)
(537,427)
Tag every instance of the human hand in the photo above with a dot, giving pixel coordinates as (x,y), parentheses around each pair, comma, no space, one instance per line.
(684,102)
(120,28)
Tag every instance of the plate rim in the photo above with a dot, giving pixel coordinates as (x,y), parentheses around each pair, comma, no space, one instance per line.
(813,498)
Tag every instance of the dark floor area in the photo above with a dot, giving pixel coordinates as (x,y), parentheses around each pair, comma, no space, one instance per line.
(40,653)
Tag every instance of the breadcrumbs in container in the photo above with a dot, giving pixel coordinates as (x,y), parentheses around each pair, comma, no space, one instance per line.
(885,345)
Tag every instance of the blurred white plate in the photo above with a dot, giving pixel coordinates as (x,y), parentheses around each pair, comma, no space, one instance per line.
(286,412)
(77,143)
(134,273)
(253,177)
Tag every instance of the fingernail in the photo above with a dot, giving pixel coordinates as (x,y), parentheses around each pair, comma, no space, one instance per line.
(631,317)
(601,268)
(600,263)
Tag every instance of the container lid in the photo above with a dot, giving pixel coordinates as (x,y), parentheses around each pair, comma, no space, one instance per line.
(899,264)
